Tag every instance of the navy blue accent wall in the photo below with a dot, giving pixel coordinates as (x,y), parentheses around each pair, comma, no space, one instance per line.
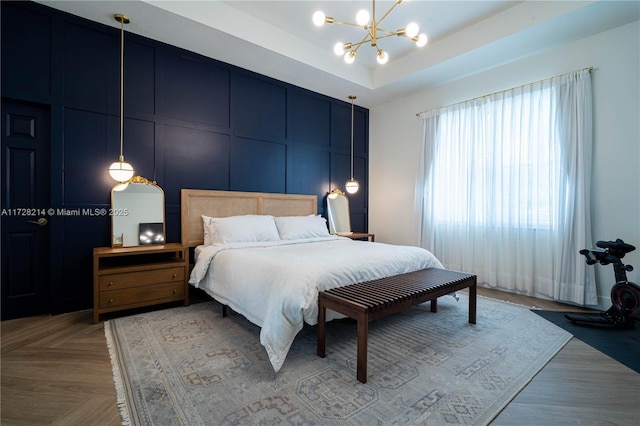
(190,122)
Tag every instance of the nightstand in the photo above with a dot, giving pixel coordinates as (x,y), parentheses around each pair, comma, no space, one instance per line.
(361,236)
(131,277)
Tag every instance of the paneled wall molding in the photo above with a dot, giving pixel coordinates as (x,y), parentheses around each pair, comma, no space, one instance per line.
(190,122)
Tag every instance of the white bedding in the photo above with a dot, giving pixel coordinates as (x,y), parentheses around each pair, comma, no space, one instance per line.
(275,285)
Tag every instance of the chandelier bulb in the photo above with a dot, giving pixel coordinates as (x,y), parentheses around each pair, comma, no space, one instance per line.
(362,18)
(383,57)
(338,49)
(412,30)
(421,40)
(319,18)
(349,57)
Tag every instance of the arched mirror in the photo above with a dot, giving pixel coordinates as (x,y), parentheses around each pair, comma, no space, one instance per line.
(338,213)
(137,213)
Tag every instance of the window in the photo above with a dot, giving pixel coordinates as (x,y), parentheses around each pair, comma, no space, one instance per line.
(503,188)
(497,162)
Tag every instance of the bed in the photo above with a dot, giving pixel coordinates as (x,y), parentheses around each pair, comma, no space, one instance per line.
(267,256)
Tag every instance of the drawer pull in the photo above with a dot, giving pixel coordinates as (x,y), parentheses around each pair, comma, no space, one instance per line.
(111,300)
(110,283)
(175,275)
(174,291)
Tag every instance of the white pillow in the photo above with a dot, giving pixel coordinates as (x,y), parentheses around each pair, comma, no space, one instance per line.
(239,229)
(206,226)
(297,227)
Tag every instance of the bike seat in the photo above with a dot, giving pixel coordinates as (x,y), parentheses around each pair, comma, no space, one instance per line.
(618,247)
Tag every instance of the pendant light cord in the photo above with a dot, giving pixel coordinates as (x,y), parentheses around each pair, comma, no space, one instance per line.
(120,170)
(121,89)
(122,20)
(352,97)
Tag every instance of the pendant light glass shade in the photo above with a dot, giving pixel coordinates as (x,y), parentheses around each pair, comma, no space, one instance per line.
(120,170)
(352,185)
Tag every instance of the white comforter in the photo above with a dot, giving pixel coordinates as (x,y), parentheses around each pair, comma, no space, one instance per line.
(275,285)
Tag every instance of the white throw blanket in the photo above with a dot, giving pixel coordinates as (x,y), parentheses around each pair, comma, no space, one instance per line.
(275,285)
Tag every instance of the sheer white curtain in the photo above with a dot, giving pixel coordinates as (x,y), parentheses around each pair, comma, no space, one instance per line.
(504,188)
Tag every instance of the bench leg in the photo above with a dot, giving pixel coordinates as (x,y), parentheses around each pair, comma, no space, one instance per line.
(473,291)
(322,329)
(434,305)
(361,361)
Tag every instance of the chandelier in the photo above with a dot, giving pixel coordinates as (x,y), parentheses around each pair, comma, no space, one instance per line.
(373,33)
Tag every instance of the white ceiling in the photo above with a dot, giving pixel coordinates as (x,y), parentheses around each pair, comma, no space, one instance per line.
(279,40)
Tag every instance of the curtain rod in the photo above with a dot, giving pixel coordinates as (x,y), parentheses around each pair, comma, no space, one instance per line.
(506,90)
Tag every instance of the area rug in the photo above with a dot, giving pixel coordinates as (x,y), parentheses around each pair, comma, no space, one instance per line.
(190,366)
(623,345)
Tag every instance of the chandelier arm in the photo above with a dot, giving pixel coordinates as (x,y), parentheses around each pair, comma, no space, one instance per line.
(351,24)
(389,35)
(366,39)
(388,11)
(371,35)
(373,11)
(391,32)
(356,48)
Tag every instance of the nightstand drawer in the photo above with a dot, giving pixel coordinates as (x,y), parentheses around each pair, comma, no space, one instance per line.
(140,278)
(142,294)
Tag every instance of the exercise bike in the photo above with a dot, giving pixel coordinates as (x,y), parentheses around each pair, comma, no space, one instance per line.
(625,295)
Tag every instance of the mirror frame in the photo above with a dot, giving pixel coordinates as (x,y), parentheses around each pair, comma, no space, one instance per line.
(118,212)
(332,214)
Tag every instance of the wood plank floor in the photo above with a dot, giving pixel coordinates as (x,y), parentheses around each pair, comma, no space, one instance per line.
(56,371)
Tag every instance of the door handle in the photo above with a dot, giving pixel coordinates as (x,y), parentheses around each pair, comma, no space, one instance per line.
(41,222)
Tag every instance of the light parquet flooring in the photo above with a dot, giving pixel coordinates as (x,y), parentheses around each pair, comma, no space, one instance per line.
(56,371)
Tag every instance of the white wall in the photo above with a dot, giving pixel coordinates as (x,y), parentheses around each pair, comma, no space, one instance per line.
(394,134)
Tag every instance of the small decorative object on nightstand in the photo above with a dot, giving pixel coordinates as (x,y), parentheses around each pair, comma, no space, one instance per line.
(132,277)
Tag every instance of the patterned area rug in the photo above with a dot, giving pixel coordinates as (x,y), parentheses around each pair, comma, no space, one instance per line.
(190,366)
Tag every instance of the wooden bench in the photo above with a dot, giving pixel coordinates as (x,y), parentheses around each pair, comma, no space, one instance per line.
(378,298)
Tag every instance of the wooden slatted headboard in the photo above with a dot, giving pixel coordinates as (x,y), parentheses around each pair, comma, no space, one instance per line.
(198,202)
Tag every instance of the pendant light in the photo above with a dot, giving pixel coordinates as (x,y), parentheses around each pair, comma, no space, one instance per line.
(352,185)
(121,170)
